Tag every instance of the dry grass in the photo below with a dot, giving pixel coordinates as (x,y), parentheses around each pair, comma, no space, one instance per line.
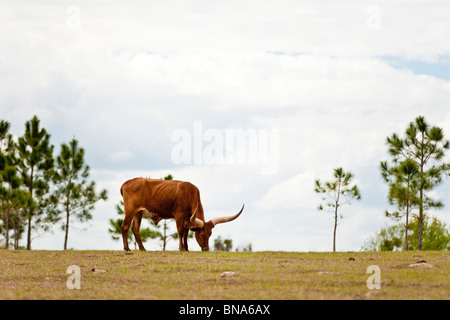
(197,275)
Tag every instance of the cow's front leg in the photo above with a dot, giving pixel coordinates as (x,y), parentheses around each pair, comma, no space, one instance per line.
(185,239)
(182,235)
(182,230)
(180,239)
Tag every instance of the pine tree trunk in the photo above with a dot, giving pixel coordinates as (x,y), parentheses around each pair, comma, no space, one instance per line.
(29,233)
(419,247)
(17,235)
(164,235)
(405,248)
(30,212)
(67,227)
(335,227)
(7,225)
(422,163)
(336,215)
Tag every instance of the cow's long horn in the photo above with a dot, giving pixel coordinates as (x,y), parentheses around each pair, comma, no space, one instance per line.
(194,220)
(218,220)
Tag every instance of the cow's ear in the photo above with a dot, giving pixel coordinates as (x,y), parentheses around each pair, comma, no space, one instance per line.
(194,229)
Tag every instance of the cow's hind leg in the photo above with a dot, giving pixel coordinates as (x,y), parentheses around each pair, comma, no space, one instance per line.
(129,215)
(135,226)
(125,226)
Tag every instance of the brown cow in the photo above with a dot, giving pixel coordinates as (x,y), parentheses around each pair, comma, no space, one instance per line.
(165,199)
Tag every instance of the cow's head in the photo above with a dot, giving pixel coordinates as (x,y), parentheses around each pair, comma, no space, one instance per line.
(203,230)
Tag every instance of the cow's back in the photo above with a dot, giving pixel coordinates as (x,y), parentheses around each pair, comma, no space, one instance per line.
(156,195)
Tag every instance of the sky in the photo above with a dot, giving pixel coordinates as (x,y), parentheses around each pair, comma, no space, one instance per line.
(251,101)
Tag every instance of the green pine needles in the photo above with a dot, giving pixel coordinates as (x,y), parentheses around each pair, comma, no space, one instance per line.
(74,196)
(417,166)
(36,190)
(336,193)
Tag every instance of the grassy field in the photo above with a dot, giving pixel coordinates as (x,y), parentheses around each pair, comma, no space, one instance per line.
(223,275)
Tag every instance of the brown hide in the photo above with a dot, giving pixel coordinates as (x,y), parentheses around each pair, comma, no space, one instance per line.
(166,199)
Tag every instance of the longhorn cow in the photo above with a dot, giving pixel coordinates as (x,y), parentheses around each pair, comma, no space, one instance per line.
(165,199)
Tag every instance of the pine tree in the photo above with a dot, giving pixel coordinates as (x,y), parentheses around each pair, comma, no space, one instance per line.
(8,178)
(74,196)
(426,146)
(13,199)
(35,165)
(337,193)
(403,190)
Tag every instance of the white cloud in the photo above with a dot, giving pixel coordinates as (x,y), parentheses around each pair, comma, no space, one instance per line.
(127,76)
(121,156)
(291,193)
